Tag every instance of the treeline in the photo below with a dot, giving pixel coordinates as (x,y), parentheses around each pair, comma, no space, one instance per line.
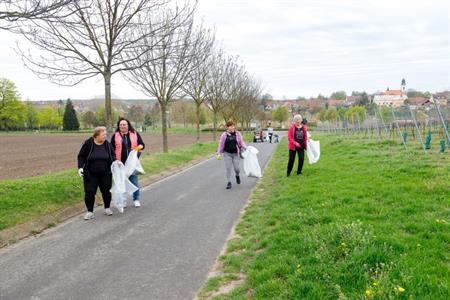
(23,115)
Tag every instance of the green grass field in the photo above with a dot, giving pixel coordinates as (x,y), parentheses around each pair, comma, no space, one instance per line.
(23,200)
(368,221)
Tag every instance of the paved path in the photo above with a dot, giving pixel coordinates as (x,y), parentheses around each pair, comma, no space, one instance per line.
(163,250)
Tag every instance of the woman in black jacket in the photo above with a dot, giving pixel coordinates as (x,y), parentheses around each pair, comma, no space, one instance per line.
(94,165)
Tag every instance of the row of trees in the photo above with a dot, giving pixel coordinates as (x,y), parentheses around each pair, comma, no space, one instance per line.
(155,44)
(17,115)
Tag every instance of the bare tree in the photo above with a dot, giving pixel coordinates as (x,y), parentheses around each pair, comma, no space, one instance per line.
(217,85)
(12,11)
(162,70)
(195,86)
(250,93)
(98,37)
(238,83)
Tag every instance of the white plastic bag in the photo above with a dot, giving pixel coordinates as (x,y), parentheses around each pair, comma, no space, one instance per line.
(251,164)
(133,165)
(121,186)
(313,151)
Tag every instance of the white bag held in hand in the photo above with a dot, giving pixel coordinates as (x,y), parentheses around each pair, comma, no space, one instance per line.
(251,164)
(121,185)
(313,151)
(133,165)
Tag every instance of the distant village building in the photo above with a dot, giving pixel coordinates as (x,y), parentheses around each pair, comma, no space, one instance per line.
(393,98)
(416,102)
(442,98)
(335,102)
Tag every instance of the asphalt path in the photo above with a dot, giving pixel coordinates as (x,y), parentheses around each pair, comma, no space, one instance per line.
(162,250)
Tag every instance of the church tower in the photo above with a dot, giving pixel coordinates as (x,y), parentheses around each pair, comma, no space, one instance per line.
(403,86)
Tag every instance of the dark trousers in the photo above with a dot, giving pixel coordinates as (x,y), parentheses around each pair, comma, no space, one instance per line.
(301,158)
(91,183)
(270,137)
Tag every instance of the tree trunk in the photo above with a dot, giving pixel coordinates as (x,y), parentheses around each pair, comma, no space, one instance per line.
(215,126)
(108,110)
(197,113)
(164,126)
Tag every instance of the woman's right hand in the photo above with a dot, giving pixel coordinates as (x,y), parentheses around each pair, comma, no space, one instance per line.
(80,172)
(219,157)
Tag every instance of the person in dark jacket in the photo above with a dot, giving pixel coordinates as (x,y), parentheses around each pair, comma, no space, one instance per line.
(231,144)
(124,140)
(94,165)
(297,143)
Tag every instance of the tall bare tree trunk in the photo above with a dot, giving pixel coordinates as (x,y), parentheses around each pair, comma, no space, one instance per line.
(108,111)
(197,112)
(164,126)
(215,126)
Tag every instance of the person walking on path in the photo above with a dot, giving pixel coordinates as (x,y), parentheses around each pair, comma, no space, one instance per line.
(270,132)
(297,141)
(124,140)
(94,165)
(230,146)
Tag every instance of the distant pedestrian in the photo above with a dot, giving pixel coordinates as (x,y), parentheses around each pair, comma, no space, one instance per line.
(297,139)
(94,165)
(124,140)
(270,132)
(230,146)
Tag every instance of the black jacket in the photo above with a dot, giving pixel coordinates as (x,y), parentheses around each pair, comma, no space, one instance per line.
(86,151)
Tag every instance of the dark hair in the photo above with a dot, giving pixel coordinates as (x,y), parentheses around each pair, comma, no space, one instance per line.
(130,127)
(304,121)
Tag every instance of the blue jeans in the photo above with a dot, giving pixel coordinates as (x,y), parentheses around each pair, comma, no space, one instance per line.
(134,180)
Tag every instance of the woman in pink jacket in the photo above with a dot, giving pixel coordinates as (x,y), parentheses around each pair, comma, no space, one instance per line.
(230,146)
(297,138)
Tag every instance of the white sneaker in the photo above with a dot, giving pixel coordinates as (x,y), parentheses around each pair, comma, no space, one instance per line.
(124,204)
(137,203)
(120,209)
(89,215)
(108,211)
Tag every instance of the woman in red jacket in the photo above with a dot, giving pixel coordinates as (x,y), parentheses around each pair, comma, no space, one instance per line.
(297,137)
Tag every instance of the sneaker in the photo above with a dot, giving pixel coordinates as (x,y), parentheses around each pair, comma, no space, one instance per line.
(137,203)
(238,179)
(89,215)
(299,173)
(108,212)
(228,185)
(120,209)
(124,204)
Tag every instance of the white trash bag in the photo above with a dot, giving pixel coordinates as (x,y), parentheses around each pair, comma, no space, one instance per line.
(133,164)
(313,151)
(121,186)
(251,164)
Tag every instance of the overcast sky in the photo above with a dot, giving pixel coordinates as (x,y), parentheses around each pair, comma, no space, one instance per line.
(302,48)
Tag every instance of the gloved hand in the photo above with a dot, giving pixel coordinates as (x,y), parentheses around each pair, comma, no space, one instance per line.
(80,172)
(138,148)
(219,157)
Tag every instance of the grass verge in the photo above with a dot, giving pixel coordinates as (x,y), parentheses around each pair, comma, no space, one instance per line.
(22,200)
(368,221)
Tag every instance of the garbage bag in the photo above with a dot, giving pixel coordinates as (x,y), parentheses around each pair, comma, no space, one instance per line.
(121,186)
(133,165)
(313,151)
(251,164)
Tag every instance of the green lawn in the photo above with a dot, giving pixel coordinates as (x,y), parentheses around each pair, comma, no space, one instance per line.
(23,200)
(368,221)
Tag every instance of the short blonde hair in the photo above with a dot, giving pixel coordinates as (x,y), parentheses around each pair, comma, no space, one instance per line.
(98,130)
(298,117)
